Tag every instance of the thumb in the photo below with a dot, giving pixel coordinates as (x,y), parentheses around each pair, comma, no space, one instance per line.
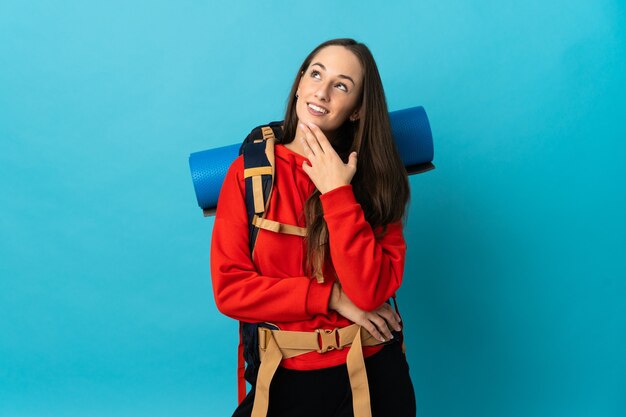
(352,160)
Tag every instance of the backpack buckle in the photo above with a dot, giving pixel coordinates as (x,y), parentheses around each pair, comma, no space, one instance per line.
(328,340)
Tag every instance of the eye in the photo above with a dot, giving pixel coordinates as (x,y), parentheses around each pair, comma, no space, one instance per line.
(315,74)
(342,87)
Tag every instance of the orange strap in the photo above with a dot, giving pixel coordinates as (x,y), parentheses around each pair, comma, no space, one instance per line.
(358,378)
(274,345)
(251,172)
(276,227)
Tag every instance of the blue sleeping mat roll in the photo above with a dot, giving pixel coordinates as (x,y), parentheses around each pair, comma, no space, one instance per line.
(411,132)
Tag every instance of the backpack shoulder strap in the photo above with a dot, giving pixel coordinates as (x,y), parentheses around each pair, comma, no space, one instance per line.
(259,169)
(258,158)
(258,162)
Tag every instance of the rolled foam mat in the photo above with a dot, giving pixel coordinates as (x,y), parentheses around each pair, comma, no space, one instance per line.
(411,132)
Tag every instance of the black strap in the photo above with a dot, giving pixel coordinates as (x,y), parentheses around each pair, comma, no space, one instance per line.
(254,156)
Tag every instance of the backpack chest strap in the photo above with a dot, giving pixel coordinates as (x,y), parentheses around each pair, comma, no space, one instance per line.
(276,227)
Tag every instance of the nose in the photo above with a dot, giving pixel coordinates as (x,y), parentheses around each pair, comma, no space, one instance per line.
(322,92)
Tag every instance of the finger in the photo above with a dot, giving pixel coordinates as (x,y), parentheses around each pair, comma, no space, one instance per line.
(306,168)
(390,317)
(395,314)
(306,142)
(397,318)
(382,326)
(321,137)
(389,307)
(311,140)
(308,152)
(369,326)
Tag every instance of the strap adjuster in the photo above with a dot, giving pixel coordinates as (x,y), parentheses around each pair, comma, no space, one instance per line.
(328,340)
(263,337)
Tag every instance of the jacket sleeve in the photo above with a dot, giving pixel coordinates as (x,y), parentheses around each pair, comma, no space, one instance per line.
(370,270)
(240,291)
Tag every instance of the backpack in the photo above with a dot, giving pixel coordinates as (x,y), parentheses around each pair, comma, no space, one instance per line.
(258,156)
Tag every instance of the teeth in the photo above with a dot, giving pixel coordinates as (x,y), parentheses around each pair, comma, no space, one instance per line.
(317,108)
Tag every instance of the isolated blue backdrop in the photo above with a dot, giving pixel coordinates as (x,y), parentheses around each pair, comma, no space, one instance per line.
(514,296)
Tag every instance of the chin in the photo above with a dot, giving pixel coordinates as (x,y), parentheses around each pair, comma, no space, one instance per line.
(318,121)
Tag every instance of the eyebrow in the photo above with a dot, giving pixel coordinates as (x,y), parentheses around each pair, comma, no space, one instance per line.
(340,75)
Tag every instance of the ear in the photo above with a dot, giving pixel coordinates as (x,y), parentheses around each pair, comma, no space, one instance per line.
(356,115)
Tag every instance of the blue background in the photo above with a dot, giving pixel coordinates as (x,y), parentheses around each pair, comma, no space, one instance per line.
(515,286)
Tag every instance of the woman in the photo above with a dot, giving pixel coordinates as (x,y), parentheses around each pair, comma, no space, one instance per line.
(338,176)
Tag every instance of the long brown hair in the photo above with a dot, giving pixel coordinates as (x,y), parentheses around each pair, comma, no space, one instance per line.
(381,183)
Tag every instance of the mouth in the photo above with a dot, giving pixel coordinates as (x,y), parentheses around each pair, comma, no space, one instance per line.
(316,110)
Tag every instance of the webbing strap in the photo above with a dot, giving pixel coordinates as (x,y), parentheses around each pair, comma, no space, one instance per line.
(250,172)
(358,379)
(276,227)
(274,345)
(257,194)
(269,364)
(241,368)
(267,132)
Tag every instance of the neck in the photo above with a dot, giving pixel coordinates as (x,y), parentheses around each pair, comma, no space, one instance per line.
(295,146)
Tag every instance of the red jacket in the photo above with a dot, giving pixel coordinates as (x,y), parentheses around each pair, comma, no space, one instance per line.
(274,287)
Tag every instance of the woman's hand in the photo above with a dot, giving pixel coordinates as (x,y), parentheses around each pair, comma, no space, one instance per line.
(378,322)
(326,169)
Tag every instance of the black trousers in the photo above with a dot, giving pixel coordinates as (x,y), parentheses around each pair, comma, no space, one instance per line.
(326,392)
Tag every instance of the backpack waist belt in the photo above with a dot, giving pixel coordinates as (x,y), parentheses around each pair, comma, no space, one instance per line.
(274,345)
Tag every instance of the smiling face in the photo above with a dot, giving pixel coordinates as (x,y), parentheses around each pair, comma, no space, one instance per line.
(330,88)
